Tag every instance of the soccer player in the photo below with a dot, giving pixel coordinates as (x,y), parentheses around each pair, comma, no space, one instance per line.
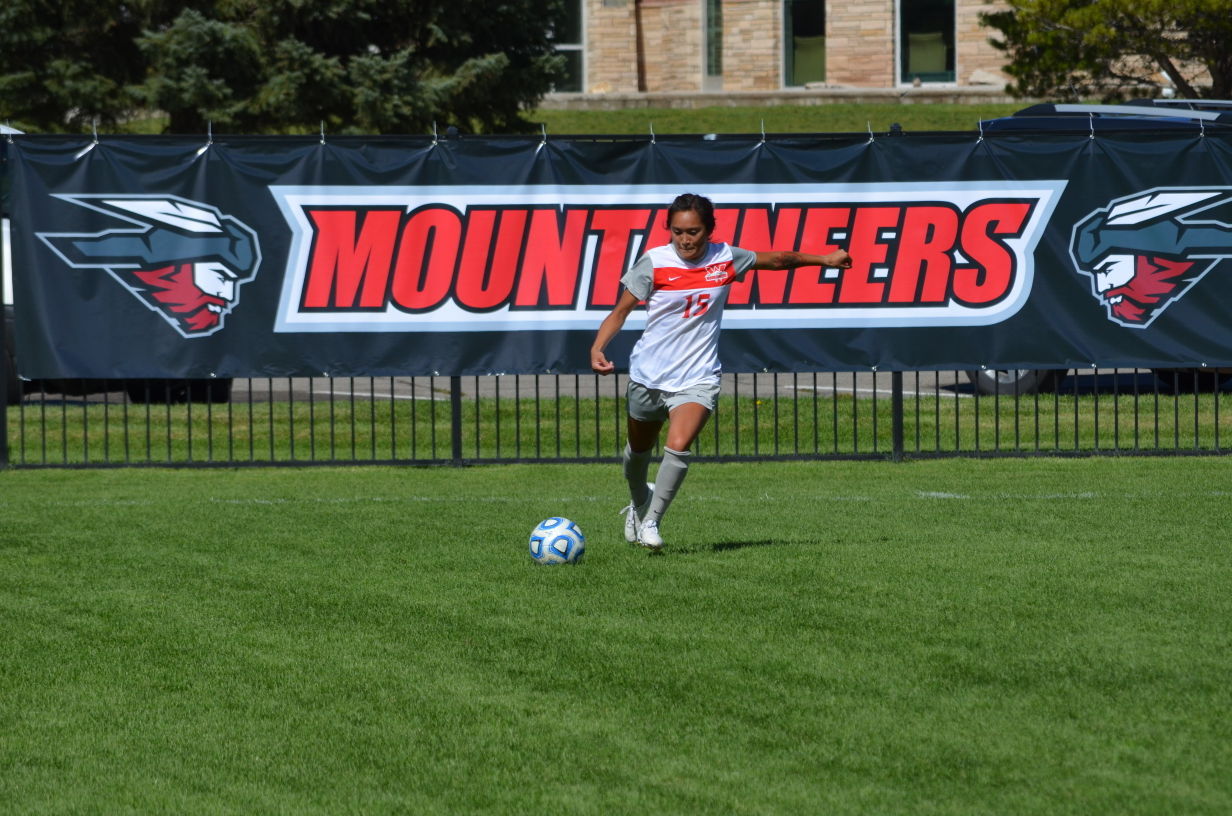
(674,368)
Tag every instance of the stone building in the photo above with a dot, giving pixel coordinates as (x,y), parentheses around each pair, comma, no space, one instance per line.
(695,46)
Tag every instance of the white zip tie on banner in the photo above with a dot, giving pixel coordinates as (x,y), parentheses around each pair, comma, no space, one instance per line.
(436,137)
(209,137)
(322,131)
(870,131)
(652,136)
(763,131)
(980,124)
(543,142)
(1091,119)
(93,144)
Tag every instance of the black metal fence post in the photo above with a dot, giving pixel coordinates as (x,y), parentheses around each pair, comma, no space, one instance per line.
(4,373)
(4,395)
(896,412)
(455,419)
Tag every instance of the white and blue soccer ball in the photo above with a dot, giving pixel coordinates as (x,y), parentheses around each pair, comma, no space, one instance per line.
(557,541)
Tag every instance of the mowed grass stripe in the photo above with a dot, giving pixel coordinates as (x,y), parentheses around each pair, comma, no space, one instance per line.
(820,637)
(578,499)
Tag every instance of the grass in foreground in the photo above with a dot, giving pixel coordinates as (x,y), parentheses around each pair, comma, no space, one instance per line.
(956,636)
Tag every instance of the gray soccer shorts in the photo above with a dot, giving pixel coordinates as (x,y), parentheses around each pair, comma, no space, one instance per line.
(654,405)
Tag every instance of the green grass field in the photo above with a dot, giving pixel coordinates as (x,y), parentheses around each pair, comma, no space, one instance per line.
(961,636)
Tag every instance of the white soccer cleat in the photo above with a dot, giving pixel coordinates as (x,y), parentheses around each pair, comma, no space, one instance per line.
(633,515)
(630,523)
(648,535)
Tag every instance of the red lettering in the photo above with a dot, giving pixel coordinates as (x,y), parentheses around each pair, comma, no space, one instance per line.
(509,243)
(658,234)
(349,263)
(553,259)
(726,220)
(756,233)
(474,288)
(427,255)
(923,262)
(531,257)
(991,273)
(867,252)
(820,223)
(616,228)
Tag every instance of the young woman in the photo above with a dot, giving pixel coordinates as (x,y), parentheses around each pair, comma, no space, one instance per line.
(674,368)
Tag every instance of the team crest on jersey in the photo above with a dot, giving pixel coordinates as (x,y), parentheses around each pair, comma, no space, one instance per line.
(1145,251)
(183,259)
(717,272)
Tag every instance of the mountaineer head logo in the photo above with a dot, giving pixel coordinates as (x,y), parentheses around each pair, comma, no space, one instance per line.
(183,259)
(1143,252)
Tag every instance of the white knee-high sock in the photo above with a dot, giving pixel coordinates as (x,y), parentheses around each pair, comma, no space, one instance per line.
(672,470)
(635,466)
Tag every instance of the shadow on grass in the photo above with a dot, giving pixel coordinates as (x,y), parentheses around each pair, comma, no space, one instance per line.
(720,546)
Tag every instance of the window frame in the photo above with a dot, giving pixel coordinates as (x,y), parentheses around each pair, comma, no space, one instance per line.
(900,69)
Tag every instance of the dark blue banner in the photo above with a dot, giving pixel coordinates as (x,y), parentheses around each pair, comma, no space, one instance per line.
(169,257)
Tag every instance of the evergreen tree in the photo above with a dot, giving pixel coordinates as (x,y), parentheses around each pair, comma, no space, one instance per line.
(357,66)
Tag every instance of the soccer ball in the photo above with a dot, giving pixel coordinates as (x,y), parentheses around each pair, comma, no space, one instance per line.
(557,541)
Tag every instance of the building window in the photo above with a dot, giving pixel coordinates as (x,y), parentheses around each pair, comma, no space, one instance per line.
(926,40)
(713,79)
(804,34)
(568,40)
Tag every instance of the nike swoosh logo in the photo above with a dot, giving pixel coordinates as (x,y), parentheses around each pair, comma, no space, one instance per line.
(674,277)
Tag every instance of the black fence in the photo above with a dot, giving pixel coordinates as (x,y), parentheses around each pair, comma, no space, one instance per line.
(563,418)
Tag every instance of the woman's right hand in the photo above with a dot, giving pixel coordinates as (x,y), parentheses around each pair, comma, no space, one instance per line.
(599,363)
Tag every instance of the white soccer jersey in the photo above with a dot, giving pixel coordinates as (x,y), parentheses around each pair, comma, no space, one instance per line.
(684,307)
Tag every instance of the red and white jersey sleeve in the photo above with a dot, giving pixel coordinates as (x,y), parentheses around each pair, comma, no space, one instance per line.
(684,308)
